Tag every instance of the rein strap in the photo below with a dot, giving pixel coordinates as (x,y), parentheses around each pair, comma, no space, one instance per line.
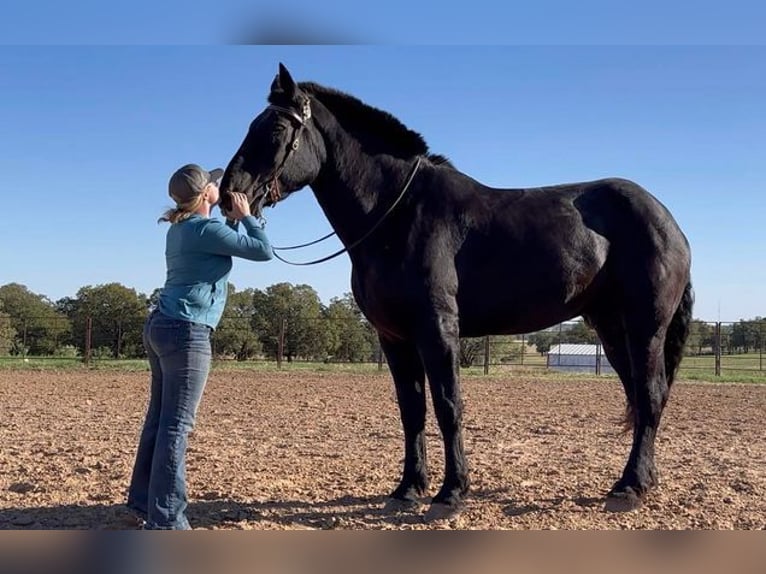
(358,241)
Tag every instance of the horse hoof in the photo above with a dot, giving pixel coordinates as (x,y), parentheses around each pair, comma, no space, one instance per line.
(399,505)
(622,502)
(439,511)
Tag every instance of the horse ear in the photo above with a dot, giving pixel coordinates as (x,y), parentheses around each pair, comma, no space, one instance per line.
(275,85)
(286,82)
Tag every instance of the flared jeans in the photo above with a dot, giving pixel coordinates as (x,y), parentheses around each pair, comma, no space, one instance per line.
(179,357)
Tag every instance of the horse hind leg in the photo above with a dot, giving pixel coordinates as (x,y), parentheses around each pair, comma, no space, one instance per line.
(611,332)
(409,380)
(613,336)
(610,326)
(650,390)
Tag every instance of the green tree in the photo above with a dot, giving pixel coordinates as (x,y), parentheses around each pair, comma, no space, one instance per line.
(299,309)
(39,328)
(234,335)
(117,316)
(759,333)
(742,336)
(745,335)
(701,336)
(505,349)
(580,333)
(7,332)
(542,340)
(502,349)
(738,338)
(471,348)
(349,336)
(725,341)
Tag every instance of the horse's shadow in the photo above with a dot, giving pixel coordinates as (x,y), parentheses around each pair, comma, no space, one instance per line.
(341,513)
(553,504)
(346,512)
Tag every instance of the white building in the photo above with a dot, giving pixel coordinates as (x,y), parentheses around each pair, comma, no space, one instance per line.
(579,358)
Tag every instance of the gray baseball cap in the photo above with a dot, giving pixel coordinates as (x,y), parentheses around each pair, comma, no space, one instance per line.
(189,181)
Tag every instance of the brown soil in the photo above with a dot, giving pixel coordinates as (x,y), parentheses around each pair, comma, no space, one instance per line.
(303,451)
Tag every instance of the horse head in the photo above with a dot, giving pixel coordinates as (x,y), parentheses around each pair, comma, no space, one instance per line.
(282,151)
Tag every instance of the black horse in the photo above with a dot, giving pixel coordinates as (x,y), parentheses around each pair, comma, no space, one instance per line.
(450,257)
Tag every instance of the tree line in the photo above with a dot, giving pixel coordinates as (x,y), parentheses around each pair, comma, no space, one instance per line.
(283,320)
(745,336)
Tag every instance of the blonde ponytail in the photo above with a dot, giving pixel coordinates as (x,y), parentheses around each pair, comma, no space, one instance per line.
(182,210)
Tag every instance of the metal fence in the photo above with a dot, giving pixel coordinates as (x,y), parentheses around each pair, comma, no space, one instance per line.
(727,347)
(714,347)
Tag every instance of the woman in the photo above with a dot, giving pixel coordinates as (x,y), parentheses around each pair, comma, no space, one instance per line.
(198,254)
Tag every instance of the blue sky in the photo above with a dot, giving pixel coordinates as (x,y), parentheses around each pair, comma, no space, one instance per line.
(485,22)
(90,134)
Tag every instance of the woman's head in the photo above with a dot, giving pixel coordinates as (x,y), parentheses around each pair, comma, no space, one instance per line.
(192,187)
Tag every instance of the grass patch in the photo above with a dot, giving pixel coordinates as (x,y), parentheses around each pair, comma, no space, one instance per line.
(756,377)
(137,365)
(738,369)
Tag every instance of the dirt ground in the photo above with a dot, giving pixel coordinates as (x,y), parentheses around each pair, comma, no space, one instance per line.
(289,450)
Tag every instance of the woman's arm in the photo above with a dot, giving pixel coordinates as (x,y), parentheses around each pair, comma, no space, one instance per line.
(219,238)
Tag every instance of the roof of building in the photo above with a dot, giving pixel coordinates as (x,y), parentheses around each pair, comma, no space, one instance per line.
(575,349)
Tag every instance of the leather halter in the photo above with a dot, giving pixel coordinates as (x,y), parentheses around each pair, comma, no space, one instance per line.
(272,186)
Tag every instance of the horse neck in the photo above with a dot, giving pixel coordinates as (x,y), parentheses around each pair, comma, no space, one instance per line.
(355,189)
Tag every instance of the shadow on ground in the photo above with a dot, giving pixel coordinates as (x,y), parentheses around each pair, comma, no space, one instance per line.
(344,512)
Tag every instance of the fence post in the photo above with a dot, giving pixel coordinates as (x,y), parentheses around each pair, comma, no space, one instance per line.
(380,357)
(281,342)
(24,341)
(523,346)
(598,359)
(486,355)
(760,351)
(118,349)
(88,335)
(56,333)
(718,349)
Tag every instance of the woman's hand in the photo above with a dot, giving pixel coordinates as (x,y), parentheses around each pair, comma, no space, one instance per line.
(240,207)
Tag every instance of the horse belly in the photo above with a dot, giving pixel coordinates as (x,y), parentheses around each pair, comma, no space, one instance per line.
(512,318)
(525,300)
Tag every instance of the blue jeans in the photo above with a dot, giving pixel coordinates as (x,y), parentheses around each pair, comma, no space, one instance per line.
(179,357)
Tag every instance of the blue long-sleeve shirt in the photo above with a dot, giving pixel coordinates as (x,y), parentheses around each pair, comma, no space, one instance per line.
(198,254)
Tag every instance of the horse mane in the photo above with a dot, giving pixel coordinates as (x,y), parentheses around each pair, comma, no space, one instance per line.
(376,130)
(440,160)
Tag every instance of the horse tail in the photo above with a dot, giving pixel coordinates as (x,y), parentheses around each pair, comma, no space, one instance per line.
(678,332)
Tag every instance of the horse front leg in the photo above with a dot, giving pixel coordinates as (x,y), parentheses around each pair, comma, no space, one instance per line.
(439,348)
(409,379)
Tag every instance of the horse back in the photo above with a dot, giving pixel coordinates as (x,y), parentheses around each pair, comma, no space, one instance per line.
(527,258)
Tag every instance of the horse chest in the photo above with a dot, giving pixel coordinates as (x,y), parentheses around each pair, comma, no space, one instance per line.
(384,282)
(386,294)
